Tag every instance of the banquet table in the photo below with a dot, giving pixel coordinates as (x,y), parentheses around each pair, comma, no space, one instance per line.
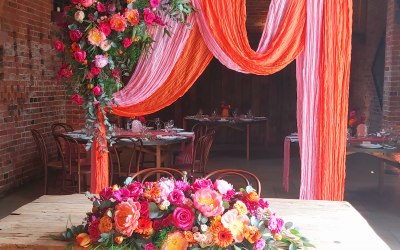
(328,224)
(239,123)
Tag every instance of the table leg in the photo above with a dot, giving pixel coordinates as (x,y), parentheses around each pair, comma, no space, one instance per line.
(248,141)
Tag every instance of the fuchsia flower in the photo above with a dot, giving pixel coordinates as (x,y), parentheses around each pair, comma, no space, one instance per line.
(75,1)
(101,7)
(144,209)
(87,3)
(94,71)
(182,185)
(106,193)
(202,183)
(105,27)
(176,197)
(77,99)
(275,224)
(97,91)
(59,46)
(149,16)
(259,244)
(183,217)
(65,71)
(75,35)
(136,189)
(80,56)
(154,3)
(208,202)
(149,246)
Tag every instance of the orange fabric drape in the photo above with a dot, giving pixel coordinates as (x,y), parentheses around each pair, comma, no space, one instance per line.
(333,102)
(193,61)
(99,158)
(227,21)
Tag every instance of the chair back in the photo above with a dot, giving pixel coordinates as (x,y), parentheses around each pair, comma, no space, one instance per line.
(61,127)
(202,151)
(133,147)
(144,174)
(41,146)
(199,130)
(69,151)
(243,175)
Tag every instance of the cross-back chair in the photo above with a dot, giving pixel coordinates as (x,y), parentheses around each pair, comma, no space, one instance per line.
(243,175)
(144,174)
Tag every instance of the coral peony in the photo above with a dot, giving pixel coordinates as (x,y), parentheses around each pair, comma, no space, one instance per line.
(132,16)
(176,241)
(154,3)
(208,202)
(126,217)
(118,22)
(96,37)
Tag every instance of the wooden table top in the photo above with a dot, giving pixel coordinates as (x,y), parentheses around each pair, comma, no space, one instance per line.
(328,224)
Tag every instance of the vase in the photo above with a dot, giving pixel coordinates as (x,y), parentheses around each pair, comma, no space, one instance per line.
(136,126)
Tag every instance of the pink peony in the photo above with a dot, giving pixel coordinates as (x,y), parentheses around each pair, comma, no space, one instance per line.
(124,193)
(77,99)
(126,217)
(80,56)
(106,193)
(79,16)
(275,224)
(100,61)
(59,46)
(154,3)
(208,202)
(176,197)
(183,217)
(126,42)
(259,244)
(166,185)
(105,28)
(101,7)
(222,186)
(118,22)
(149,16)
(87,3)
(202,183)
(75,35)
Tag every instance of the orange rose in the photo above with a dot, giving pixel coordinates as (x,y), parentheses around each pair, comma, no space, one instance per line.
(252,234)
(105,224)
(252,197)
(83,240)
(126,217)
(119,239)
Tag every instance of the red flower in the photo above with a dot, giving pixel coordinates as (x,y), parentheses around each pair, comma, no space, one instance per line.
(126,42)
(80,56)
(75,35)
(65,71)
(77,99)
(97,90)
(94,71)
(59,46)
(105,28)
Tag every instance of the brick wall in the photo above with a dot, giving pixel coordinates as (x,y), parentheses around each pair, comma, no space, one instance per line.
(363,95)
(391,100)
(29,98)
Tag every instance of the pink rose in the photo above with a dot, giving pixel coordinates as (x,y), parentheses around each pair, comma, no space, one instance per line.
(222,186)
(176,197)
(208,202)
(87,3)
(149,16)
(275,224)
(126,42)
(105,28)
(59,46)
(154,3)
(79,16)
(202,183)
(77,99)
(75,35)
(80,56)
(126,217)
(97,91)
(101,7)
(183,218)
(100,61)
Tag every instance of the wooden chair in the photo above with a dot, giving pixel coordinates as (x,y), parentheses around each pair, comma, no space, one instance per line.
(144,174)
(199,130)
(76,166)
(120,145)
(248,177)
(61,127)
(44,156)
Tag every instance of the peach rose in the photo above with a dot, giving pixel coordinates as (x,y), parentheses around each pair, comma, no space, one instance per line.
(126,217)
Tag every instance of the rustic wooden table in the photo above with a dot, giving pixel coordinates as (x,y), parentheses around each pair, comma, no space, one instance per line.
(328,224)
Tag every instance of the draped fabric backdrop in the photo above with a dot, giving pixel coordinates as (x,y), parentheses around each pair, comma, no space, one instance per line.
(323,73)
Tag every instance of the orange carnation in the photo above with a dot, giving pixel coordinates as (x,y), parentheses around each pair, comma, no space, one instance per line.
(252,197)
(105,224)
(222,237)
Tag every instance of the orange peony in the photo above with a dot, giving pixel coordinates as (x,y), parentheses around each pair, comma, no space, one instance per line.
(175,241)
(96,37)
(126,217)
(118,22)
(83,240)
(222,237)
(132,16)
(252,234)
(105,225)
(252,197)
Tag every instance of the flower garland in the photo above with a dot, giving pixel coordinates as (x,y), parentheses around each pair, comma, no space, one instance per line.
(170,214)
(102,40)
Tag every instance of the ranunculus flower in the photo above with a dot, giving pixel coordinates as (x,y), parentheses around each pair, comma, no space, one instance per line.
(79,16)
(202,183)
(222,186)
(105,28)
(105,225)
(123,193)
(154,3)
(126,217)
(77,99)
(59,46)
(105,45)
(235,222)
(275,224)
(80,56)
(101,7)
(118,22)
(176,197)
(87,3)
(132,16)
(75,35)
(126,42)
(96,37)
(83,240)
(149,16)
(176,241)
(100,61)
(208,202)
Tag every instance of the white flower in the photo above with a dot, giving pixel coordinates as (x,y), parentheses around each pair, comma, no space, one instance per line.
(79,16)
(105,45)
(203,227)
(222,186)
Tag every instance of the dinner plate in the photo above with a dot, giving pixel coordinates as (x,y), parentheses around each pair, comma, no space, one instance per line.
(370,145)
(167,137)
(185,133)
(222,120)
(246,120)
(177,129)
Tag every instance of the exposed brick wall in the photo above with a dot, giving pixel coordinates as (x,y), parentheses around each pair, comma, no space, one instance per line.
(29,98)
(391,92)
(363,96)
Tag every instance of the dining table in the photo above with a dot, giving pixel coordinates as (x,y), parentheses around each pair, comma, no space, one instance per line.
(238,123)
(329,225)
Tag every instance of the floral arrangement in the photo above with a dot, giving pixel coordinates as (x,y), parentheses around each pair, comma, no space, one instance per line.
(102,40)
(177,215)
(355,119)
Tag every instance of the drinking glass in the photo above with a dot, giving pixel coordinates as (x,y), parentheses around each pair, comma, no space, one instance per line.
(157,122)
(250,114)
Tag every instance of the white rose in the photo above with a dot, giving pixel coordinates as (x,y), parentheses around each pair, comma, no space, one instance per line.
(79,16)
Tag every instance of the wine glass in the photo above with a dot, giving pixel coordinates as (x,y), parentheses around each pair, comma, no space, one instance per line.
(235,114)
(157,122)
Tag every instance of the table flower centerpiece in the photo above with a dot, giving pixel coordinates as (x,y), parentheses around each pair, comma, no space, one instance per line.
(177,215)
(355,119)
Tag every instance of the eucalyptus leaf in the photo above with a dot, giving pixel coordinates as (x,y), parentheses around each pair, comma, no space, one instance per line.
(292,247)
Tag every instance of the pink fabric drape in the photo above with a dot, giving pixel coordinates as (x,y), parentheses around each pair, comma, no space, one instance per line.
(154,68)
